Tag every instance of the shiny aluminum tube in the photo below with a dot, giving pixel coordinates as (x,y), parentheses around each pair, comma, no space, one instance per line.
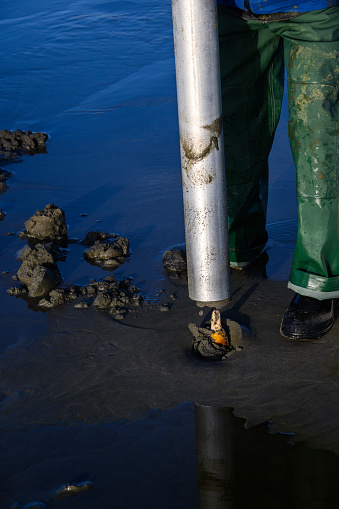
(195,28)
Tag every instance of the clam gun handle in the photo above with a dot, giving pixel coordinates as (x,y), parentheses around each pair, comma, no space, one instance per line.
(195,29)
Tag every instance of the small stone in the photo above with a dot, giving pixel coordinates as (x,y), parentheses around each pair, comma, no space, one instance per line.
(119,316)
(16,291)
(82,305)
(2,215)
(164,309)
(174,261)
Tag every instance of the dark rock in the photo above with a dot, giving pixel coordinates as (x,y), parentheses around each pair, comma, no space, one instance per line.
(174,261)
(31,258)
(2,215)
(44,279)
(47,224)
(84,304)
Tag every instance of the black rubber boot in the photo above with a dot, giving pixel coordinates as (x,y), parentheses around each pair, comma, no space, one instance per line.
(307,318)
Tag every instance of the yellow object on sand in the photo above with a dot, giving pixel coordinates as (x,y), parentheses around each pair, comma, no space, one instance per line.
(219,337)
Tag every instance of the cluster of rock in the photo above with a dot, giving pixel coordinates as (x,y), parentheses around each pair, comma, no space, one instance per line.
(15,143)
(40,276)
(116,297)
(39,272)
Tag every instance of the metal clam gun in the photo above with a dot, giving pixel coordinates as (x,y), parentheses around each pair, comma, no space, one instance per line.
(195,28)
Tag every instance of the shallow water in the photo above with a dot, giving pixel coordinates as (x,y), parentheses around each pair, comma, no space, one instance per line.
(98,77)
(183,458)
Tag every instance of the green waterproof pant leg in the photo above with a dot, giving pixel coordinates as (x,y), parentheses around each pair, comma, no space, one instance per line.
(311,49)
(251,81)
(252,78)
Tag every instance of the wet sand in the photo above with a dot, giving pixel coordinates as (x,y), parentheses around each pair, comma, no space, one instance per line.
(88,367)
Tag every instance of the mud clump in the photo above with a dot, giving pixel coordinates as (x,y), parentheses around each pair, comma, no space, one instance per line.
(38,273)
(106,250)
(16,143)
(47,224)
(175,262)
(206,349)
(116,297)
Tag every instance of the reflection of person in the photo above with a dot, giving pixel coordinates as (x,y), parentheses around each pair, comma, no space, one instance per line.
(255,39)
(238,467)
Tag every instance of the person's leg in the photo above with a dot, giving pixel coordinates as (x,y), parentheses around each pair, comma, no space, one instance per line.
(311,51)
(251,64)
(313,86)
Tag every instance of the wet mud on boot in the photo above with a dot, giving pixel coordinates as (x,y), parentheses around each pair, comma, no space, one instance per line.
(307,318)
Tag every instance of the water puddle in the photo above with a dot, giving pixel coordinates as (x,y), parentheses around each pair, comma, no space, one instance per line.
(188,457)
